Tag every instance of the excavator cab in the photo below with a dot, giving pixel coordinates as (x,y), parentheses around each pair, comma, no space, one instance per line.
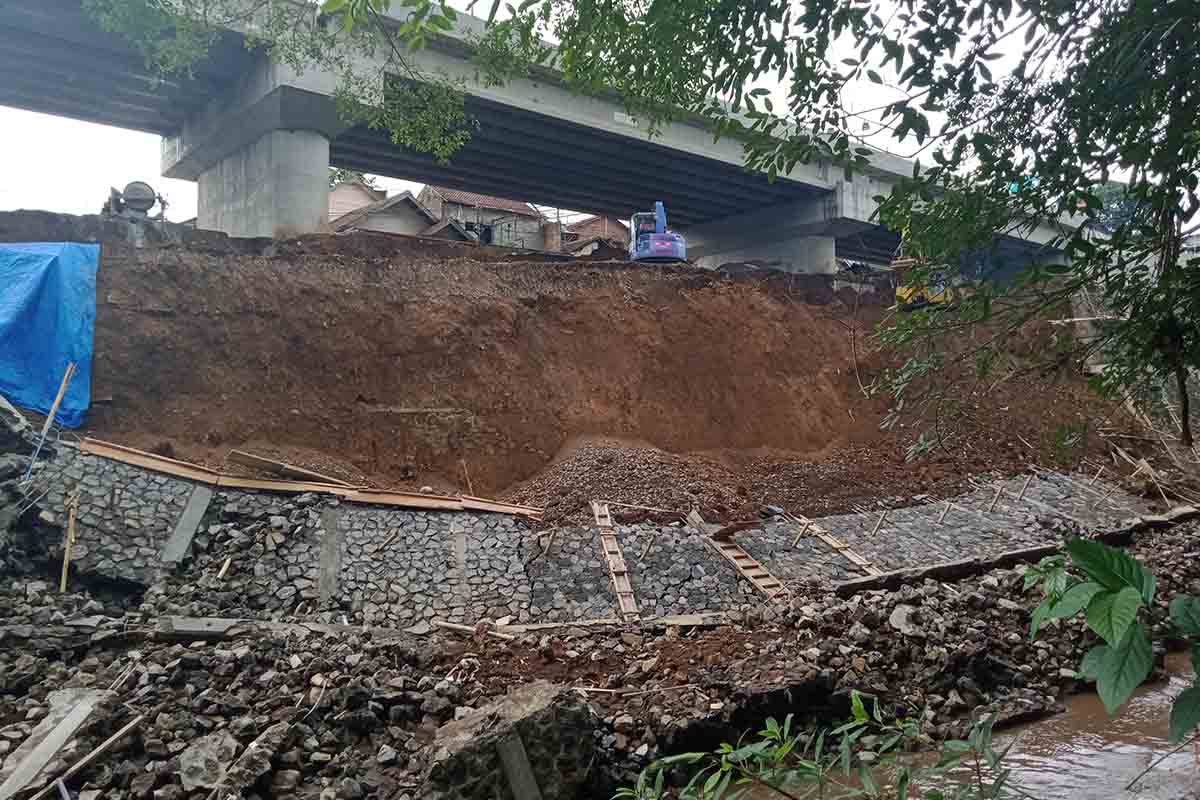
(651,240)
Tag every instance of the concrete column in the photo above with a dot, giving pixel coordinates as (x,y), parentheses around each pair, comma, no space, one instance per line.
(276,186)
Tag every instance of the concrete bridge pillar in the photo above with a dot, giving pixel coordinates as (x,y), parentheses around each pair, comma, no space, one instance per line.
(792,237)
(276,186)
(260,153)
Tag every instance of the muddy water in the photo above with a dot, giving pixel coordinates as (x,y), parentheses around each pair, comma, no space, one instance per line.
(1083,754)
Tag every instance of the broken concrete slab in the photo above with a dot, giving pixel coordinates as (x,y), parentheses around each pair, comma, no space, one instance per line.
(205,761)
(180,541)
(476,756)
(69,710)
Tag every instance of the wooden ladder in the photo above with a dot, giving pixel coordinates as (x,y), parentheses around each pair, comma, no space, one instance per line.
(626,602)
(758,575)
(848,552)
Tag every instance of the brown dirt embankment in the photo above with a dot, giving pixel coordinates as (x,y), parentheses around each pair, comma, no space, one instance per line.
(402,364)
(400,361)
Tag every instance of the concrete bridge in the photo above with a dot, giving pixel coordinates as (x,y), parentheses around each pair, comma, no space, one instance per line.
(258,137)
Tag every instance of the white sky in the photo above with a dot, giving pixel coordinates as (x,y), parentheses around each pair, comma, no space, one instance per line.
(52,163)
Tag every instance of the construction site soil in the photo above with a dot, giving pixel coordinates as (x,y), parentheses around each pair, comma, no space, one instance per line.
(407,363)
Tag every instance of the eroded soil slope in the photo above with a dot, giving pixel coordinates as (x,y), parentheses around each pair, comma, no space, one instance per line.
(403,364)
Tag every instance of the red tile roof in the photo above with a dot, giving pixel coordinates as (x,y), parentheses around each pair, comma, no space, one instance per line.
(486,201)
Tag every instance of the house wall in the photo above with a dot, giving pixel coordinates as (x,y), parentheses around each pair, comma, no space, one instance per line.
(608,227)
(395,220)
(508,229)
(345,197)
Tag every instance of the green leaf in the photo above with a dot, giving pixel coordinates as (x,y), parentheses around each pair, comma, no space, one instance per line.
(1089,667)
(1039,617)
(1185,714)
(1185,613)
(1075,600)
(1124,668)
(332,6)
(1111,568)
(1110,614)
(856,707)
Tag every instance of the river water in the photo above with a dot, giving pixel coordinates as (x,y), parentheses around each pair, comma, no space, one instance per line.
(1083,754)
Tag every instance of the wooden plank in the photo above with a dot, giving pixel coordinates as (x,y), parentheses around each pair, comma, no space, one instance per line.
(849,553)
(150,461)
(195,472)
(92,756)
(617,569)
(282,468)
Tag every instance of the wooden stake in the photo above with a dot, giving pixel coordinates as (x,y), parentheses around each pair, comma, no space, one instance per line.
(1028,478)
(62,390)
(878,522)
(467,475)
(800,535)
(225,567)
(68,541)
(1096,477)
(996,499)
(90,757)
(945,511)
(645,552)
(454,626)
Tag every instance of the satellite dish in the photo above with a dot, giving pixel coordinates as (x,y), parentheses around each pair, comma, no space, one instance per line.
(139,196)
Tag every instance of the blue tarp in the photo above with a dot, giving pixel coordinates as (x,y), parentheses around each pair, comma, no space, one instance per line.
(47,318)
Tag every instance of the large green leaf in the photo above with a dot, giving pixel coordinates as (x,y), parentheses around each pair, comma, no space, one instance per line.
(1110,614)
(1039,617)
(1090,666)
(1124,668)
(1185,613)
(1075,600)
(1111,568)
(1185,714)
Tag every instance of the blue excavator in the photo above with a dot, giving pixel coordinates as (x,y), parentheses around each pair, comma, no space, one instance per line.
(650,239)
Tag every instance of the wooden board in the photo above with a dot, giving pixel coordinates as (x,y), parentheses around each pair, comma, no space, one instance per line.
(848,552)
(626,602)
(281,468)
(752,570)
(200,474)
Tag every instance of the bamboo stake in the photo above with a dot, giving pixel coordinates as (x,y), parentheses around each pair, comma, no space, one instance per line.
(1096,477)
(225,567)
(62,390)
(90,757)
(800,535)
(995,499)
(467,475)
(1028,478)
(945,511)
(69,540)
(878,522)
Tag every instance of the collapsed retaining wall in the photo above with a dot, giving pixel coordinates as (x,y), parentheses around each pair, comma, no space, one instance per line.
(313,556)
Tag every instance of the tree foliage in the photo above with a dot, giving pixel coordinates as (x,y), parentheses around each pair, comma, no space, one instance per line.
(1112,590)
(338,175)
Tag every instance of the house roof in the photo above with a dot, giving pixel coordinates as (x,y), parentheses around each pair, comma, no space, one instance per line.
(586,221)
(453,224)
(486,201)
(352,218)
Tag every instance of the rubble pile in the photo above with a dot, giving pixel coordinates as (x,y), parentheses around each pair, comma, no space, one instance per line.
(273,710)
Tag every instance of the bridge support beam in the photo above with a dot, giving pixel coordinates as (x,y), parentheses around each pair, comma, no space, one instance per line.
(276,186)
(260,153)
(793,237)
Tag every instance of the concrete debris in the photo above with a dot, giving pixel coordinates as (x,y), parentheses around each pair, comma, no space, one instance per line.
(205,761)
